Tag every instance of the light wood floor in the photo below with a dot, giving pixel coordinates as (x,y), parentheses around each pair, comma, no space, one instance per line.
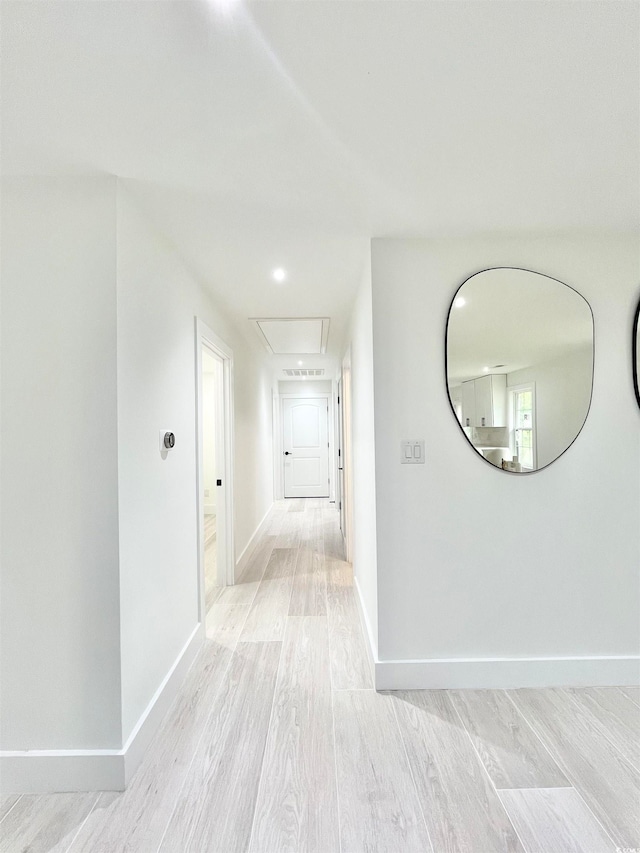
(279,742)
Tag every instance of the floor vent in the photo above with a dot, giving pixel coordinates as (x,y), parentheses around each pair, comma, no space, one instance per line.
(303,372)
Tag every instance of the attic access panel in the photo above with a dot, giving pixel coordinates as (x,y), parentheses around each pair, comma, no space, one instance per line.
(294,335)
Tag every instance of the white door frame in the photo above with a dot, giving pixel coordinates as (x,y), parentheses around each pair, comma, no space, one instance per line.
(279,444)
(206,337)
(278,472)
(347,448)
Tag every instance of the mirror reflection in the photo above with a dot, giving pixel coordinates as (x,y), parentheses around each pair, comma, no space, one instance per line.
(519,363)
(635,344)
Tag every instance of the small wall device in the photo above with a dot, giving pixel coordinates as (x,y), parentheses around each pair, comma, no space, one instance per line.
(412,452)
(167,440)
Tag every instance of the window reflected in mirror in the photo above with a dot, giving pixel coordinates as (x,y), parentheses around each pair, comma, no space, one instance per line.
(519,365)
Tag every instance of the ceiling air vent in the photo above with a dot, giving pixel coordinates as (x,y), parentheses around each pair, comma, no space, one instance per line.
(303,372)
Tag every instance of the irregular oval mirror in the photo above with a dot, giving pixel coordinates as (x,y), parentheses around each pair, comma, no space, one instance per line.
(635,344)
(519,364)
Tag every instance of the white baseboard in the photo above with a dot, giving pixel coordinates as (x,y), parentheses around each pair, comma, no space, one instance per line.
(43,771)
(370,639)
(56,771)
(243,560)
(487,673)
(494,673)
(149,722)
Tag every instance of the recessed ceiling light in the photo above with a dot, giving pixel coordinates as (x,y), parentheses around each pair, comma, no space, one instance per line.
(300,363)
(485,369)
(279,274)
(460,301)
(225,7)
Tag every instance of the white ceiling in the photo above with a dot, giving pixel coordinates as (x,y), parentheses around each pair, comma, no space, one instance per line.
(288,134)
(514,318)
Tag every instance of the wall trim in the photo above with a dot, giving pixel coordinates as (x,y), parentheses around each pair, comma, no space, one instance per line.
(494,673)
(497,673)
(42,771)
(243,560)
(138,741)
(371,644)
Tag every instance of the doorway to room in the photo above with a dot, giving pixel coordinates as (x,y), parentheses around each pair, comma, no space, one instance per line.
(214,489)
(211,376)
(340,483)
(345,463)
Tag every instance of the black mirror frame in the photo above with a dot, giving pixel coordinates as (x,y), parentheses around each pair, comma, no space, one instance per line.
(593,364)
(635,353)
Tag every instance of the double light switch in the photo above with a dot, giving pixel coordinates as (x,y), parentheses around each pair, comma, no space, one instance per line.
(412,453)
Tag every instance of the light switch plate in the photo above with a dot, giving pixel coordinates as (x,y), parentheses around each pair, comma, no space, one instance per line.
(412,452)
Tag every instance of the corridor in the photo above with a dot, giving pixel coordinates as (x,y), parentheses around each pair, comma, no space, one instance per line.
(279,742)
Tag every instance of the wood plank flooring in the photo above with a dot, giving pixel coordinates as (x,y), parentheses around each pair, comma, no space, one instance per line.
(462,808)
(379,804)
(556,820)
(575,739)
(278,742)
(510,751)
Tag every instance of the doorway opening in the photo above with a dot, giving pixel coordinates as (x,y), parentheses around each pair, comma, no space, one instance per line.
(211,377)
(345,456)
(214,471)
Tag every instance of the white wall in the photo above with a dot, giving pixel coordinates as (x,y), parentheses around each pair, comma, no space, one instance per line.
(472,562)
(563,392)
(60,622)
(157,301)
(99,578)
(360,343)
(301,387)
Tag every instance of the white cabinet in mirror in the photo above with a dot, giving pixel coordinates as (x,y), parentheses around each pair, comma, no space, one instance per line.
(635,354)
(519,366)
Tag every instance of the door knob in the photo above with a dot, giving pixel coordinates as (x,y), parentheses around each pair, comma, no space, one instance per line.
(288,453)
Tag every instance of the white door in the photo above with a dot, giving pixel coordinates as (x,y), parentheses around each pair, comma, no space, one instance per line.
(306,447)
